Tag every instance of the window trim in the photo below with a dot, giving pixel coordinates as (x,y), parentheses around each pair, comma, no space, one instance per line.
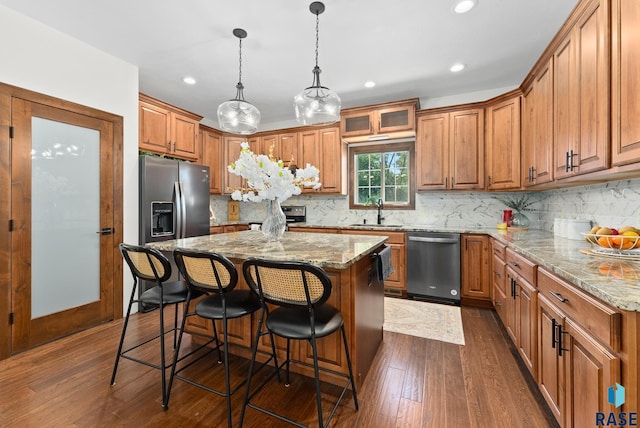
(380,148)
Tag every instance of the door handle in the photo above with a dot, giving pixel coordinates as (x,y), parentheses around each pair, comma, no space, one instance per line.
(106,231)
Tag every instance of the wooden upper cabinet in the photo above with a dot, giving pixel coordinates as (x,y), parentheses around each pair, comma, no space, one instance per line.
(450,150)
(230,153)
(168,130)
(285,146)
(432,152)
(211,155)
(625,82)
(379,119)
(537,129)
(581,94)
(323,148)
(466,149)
(503,144)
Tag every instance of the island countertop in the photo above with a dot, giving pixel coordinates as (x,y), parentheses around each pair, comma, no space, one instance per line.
(326,250)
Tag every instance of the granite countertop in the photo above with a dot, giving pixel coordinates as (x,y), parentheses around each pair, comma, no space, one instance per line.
(613,280)
(326,250)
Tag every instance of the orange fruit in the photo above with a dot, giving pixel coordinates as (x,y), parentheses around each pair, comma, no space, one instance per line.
(604,241)
(615,241)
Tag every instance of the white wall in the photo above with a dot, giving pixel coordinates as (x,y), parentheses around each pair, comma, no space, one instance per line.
(41,59)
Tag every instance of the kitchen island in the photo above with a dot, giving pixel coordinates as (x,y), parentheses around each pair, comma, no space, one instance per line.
(356,292)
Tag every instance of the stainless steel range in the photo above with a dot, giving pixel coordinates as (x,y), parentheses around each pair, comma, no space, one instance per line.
(295,214)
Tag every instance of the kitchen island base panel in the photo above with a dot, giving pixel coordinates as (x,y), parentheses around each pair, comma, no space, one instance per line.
(356,292)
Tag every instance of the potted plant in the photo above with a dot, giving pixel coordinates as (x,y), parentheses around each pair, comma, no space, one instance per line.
(518,203)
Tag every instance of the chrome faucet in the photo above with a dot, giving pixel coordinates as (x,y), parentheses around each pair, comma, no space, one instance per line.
(380,206)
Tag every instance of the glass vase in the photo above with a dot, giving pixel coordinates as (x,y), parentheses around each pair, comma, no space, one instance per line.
(520,220)
(274,225)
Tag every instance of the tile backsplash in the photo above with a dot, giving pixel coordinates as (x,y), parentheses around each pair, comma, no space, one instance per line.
(614,203)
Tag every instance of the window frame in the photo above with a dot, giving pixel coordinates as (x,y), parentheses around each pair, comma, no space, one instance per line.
(355,150)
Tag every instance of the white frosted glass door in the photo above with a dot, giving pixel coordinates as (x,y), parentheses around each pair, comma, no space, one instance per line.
(65,216)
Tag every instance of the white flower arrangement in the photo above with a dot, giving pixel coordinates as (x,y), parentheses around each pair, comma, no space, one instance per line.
(269,179)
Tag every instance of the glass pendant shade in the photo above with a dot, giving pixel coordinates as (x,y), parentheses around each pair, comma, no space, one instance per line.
(237,115)
(317,104)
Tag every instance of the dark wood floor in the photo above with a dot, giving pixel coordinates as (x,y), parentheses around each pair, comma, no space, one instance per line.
(414,382)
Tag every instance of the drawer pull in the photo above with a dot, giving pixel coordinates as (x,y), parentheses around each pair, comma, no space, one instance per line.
(515,264)
(497,273)
(559,297)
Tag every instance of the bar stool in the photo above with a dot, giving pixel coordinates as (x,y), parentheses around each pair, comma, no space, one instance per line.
(151,265)
(215,276)
(299,291)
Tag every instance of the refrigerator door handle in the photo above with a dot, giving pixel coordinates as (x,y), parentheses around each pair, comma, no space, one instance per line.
(180,209)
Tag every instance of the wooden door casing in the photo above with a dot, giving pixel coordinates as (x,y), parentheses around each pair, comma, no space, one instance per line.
(14,268)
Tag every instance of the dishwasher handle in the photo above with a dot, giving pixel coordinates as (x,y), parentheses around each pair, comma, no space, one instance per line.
(438,240)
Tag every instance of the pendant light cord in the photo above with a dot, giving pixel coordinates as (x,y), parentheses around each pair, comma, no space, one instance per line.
(240,86)
(317,35)
(240,64)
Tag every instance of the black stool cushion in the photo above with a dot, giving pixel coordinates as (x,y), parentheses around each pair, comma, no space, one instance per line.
(295,324)
(173,292)
(238,303)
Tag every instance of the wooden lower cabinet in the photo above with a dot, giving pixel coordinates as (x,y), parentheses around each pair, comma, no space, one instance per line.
(550,362)
(526,324)
(577,362)
(576,373)
(396,283)
(228,228)
(476,261)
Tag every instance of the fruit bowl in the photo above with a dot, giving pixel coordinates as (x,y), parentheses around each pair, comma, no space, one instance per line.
(617,243)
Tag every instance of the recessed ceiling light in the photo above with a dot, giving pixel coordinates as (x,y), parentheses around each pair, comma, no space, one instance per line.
(189,80)
(457,67)
(369,84)
(464,6)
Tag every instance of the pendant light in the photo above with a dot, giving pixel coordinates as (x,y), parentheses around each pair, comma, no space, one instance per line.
(237,115)
(317,104)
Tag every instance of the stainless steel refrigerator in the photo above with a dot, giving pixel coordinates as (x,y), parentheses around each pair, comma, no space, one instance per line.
(173,203)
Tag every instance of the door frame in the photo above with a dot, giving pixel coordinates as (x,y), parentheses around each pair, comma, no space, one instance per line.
(6,93)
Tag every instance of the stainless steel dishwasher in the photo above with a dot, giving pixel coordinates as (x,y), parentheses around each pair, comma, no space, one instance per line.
(433,266)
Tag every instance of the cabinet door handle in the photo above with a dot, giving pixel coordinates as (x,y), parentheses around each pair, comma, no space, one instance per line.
(453,181)
(489,180)
(566,163)
(559,296)
(554,326)
(514,284)
(533,173)
(560,333)
(446,182)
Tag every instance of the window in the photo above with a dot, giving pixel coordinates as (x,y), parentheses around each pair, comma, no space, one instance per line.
(382,172)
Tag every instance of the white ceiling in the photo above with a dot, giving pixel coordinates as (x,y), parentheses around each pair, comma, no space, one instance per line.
(405,46)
